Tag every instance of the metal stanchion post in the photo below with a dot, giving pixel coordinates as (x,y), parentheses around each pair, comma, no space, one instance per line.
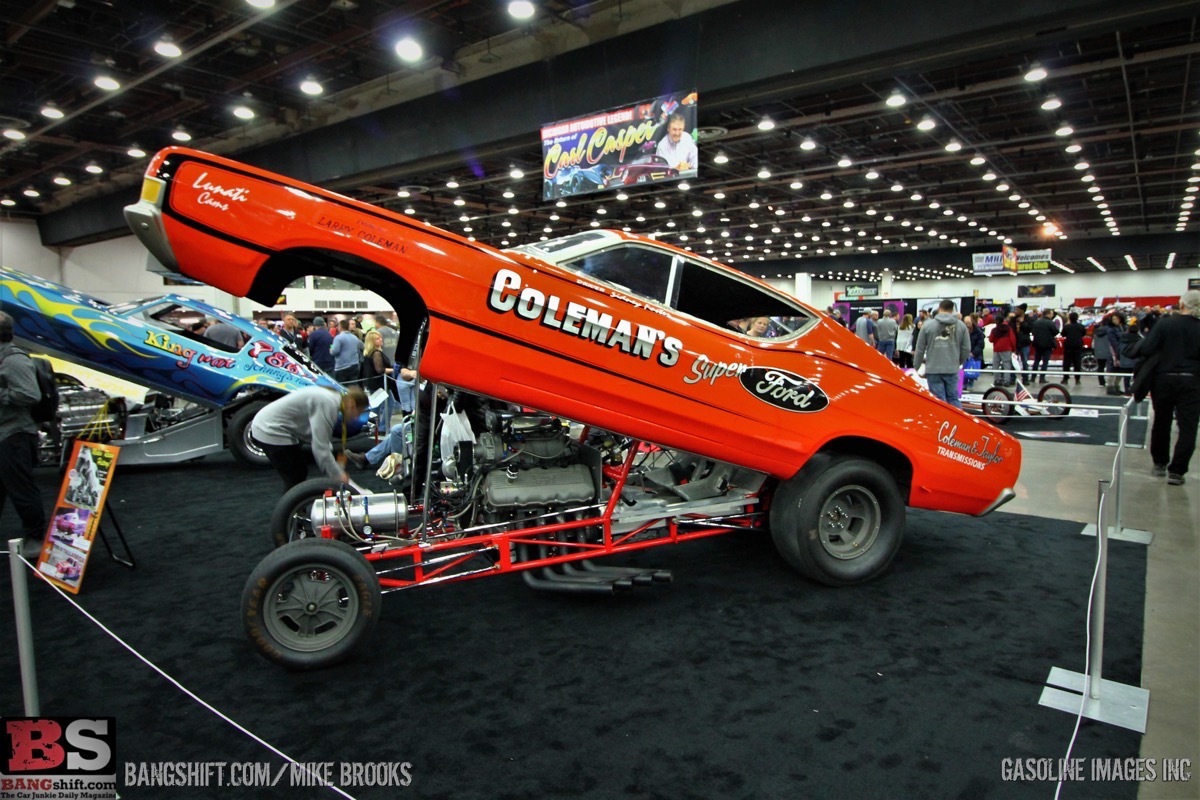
(1115,528)
(1096,626)
(1090,695)
(20,589)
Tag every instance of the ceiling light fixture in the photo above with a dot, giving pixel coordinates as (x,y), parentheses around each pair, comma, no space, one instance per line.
(1096,264)
(926,123)
(521,9)
(261,3)
(896,99)
(14,134)
(51,111)
(61,180)
(871,175)
(409,50)
(808,144)
(93,168)
(311,86)
(167,48)
(1051,103)
(953,146)
(1036,73)
(1129,261)
(763,173)
(180,135)
(844,162)
(243,112)
(1065,130)
(29,191)
(136,152)
(796,184)
(7,201)
(107,83)
(766,124)
(720,158)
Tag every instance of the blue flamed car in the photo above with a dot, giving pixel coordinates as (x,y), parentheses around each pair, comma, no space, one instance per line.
(150,342)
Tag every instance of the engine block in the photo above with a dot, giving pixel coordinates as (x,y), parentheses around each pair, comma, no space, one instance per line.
(549,487)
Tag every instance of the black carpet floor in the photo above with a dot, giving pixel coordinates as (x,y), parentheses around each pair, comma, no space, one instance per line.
(739,680)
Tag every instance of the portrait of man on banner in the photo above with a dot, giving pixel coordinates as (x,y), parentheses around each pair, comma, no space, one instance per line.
(644,142)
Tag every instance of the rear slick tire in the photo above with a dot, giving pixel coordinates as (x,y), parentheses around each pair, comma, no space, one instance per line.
(839,521)
(311,604)
(238,438)
(290,521)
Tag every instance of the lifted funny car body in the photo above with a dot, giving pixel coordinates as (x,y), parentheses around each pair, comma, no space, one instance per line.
(618,332)
(149,342)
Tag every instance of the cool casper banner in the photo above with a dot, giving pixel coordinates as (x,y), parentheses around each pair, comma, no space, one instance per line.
(644,142)
(1027,261)
(1036,290)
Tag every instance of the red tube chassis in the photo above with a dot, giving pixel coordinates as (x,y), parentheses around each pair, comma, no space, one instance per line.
(449,556)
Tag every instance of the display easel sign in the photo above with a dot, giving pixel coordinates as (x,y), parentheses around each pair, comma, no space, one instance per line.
(68,542)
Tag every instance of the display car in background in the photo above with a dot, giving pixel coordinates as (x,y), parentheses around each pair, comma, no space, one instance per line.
(642,170)
(205,392)
(657,421)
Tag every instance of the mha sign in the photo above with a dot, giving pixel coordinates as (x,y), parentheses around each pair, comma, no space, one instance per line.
(61,757)
(1026,261)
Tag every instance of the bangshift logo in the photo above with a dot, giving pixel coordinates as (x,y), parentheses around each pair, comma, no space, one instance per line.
(62,757)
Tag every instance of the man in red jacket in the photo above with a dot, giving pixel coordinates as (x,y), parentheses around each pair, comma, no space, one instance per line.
(1004,343)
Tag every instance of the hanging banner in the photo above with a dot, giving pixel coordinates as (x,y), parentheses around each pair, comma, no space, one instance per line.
(1008,258)
(644,142)
(1036,290)
(72,530)
(858,290)
(1027,261)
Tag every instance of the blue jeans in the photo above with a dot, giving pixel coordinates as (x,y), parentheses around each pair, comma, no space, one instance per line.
(944,386)
(392,443)
(888,349)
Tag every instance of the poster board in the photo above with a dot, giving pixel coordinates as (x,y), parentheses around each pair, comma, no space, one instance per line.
(76,518)
(621,146)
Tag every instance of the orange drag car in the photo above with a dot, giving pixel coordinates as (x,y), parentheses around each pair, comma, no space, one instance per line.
(804,429)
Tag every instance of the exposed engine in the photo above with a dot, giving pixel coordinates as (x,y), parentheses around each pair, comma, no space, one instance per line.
(83,413)
(530,461)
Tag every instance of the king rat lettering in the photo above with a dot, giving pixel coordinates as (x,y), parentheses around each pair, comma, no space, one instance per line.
(509,295)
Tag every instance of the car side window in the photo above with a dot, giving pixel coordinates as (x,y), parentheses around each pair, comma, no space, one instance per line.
(638,270)
(721,299)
